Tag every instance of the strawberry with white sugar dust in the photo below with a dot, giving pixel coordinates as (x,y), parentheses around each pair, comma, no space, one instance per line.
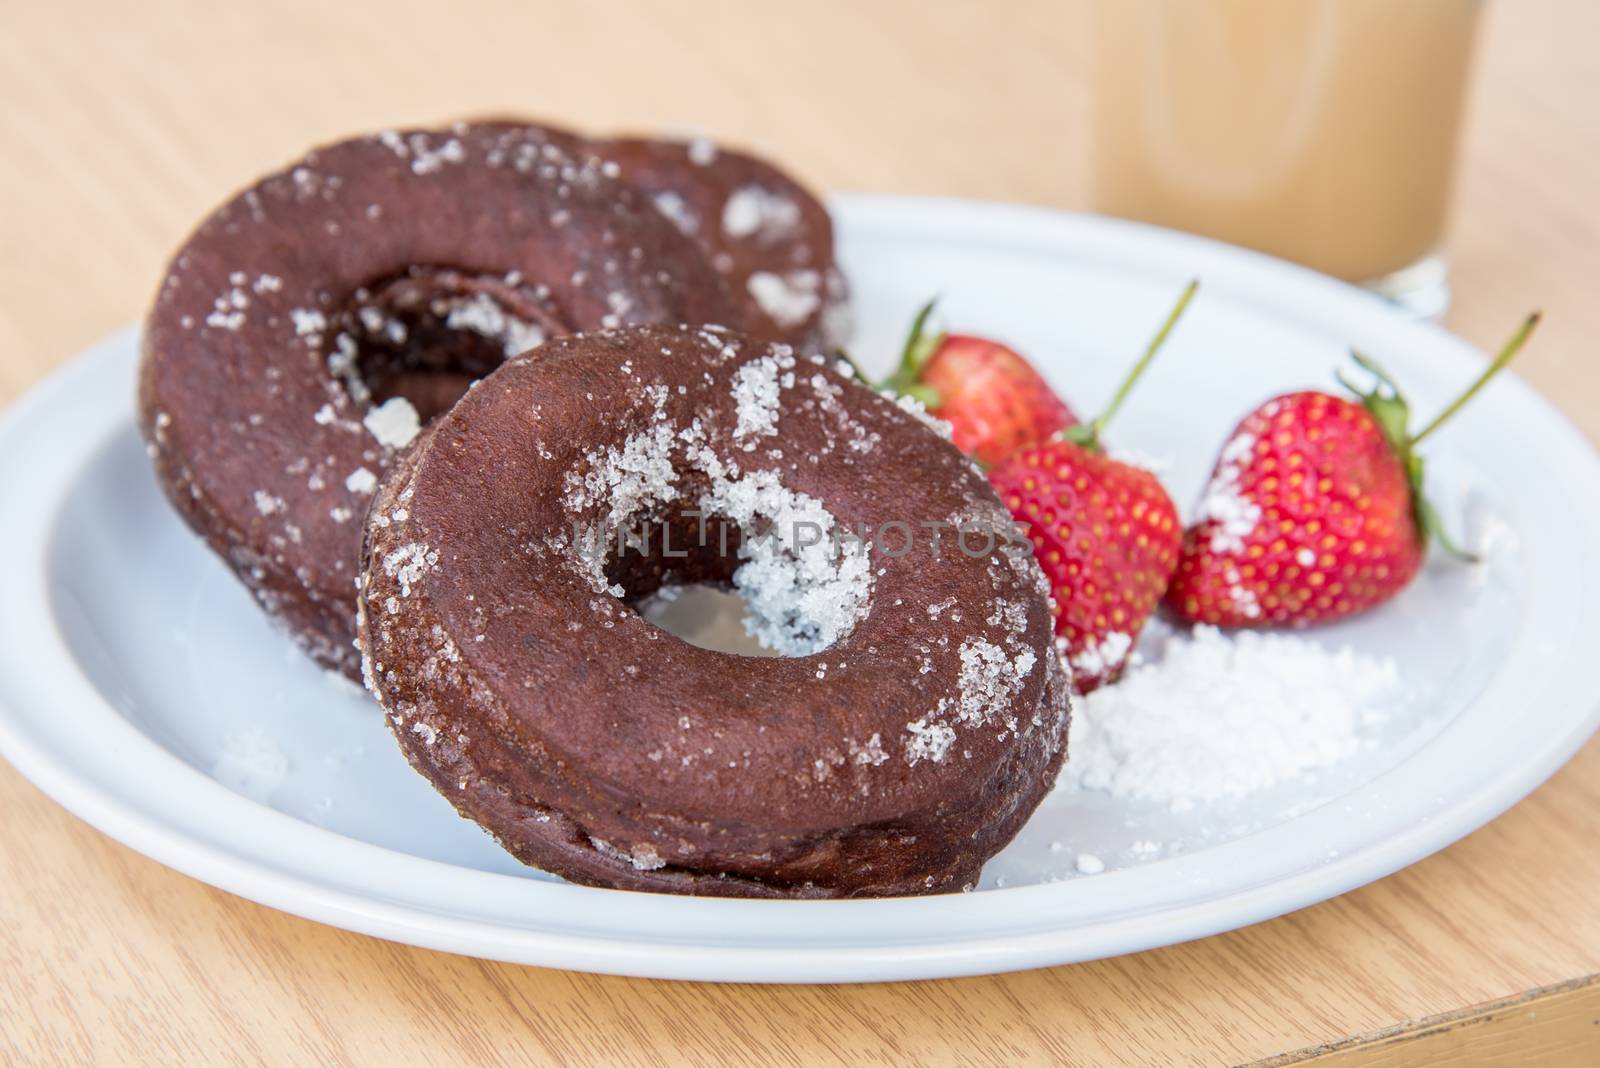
(992,397)
(1105,532)
(1315,510)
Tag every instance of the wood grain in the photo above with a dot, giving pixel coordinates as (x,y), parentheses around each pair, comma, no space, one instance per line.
(1554,1027)
(122,123)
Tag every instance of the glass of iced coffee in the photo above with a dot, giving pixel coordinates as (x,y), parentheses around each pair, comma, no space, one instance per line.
(1322,131)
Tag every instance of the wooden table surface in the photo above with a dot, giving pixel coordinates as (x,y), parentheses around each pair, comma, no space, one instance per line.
(122,123)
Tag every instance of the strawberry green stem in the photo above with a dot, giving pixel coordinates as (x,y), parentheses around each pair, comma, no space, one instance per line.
(1504,357)
(1098,424)
(1388,406)
(919,348)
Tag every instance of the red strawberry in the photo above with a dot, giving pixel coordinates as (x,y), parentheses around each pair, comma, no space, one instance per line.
(1315,510)
(993,399)
(1105,532)
(1107,536)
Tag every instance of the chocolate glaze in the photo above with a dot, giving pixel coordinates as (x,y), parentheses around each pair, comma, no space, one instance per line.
(919,722)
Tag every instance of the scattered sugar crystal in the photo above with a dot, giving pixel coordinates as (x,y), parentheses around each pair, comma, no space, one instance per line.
(307,321)
(250,763)
(755,211)
(928,741)
(344,364)
(912,406)
(620,304)
(1102,659)
(227,311)
(990,679)
(1210,717)
(361,480)
(872,753)
(675,208)
(645,858)
(629,479)
(1233,516)
(787,298)
(408,564)
(426,158)
(482,314)
(756,390)
(702,152)
(267,504)
(1089,864)
(1244,598)
(394,423)
(1013,614)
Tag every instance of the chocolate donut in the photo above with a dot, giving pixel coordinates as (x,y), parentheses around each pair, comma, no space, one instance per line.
(768,236)
(915,720)
(309,325)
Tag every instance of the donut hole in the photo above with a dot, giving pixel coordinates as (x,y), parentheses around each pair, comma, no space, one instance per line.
(677,573)
(707,580)
(427,334)
(707,616)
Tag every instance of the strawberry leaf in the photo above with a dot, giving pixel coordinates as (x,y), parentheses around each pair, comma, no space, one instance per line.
(1083,435)
(1429,525)
(1386,403)
(918,349)
(1389,408)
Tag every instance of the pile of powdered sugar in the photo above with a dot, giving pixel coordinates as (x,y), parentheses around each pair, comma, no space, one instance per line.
(1212,717)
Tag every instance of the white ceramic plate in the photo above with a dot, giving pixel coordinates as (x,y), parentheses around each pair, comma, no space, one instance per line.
(142,690)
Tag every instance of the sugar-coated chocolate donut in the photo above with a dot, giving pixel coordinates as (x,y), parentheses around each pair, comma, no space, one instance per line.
(309,324)
(918,716)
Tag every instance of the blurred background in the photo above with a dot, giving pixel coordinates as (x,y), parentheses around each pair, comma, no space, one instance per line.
(1476,132)
(140,117)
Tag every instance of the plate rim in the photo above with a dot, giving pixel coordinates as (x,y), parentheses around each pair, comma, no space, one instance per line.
(1053,940)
